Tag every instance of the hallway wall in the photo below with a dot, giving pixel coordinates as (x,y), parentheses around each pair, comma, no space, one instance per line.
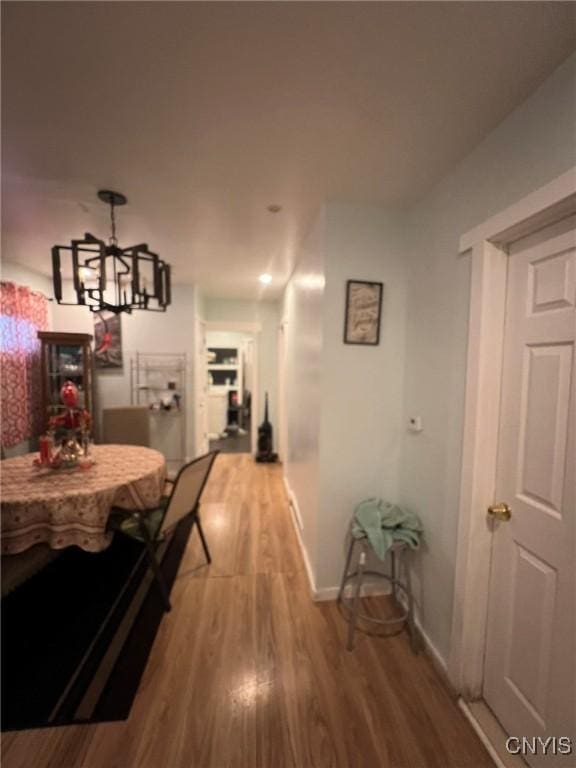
(302,315)
(366,395)
(361,418)
(343,401)
(531,147)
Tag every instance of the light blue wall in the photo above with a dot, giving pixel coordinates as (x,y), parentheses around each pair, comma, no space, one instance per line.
(365,395)
(360,434)
(534,145)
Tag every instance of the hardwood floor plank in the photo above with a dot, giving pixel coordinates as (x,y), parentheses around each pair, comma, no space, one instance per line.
(248,672)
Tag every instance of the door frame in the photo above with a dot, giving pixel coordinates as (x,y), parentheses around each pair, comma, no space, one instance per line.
(254,330)
(200,383)
(282,396)
(487,246)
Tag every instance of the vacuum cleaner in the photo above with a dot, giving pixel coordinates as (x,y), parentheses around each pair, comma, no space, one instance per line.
(265,439)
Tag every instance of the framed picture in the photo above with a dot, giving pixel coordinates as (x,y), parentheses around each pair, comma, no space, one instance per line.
(363,311)
(107,340)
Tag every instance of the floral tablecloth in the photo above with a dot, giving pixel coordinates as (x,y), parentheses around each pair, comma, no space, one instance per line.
(67,507)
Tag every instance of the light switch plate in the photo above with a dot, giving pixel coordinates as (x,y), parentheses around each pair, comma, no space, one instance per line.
(415,424)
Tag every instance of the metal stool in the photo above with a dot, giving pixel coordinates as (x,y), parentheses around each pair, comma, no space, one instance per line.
(398,552)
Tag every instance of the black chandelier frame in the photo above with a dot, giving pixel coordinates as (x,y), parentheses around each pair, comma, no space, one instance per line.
(107,277)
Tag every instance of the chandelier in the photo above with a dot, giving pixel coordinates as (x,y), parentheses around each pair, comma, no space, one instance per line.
(106,277)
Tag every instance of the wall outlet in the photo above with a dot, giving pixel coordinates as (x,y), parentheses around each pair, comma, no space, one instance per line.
(415,424)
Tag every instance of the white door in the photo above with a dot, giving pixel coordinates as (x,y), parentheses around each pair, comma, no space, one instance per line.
(201,389)
(530,670)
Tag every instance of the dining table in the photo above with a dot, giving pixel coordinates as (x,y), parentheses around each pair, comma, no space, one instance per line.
(65,507)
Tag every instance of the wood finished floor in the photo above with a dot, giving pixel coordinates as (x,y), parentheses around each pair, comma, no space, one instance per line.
(248,672)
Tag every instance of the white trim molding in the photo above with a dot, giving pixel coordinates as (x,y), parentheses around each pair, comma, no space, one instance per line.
(550,203)
(298,528)
(488,245)
(481,734)
(478,475)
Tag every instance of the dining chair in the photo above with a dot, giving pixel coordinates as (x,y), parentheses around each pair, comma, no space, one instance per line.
(127,425)
(150,526)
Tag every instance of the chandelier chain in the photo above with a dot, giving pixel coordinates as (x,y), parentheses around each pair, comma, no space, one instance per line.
(113,238)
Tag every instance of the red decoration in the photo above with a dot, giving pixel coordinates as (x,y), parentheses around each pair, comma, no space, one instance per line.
(69,394)
(46,446)
(72,417)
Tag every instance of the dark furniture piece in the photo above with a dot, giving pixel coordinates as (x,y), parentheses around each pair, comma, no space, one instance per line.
(150,526)
(265,439)
(66,357)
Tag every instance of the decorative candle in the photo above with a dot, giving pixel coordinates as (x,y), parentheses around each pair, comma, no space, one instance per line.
(45,444)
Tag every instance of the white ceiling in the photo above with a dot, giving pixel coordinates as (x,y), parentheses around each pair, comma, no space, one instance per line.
(205,113)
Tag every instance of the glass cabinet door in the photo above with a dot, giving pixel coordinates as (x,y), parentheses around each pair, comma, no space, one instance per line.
(66,363)
(66,357)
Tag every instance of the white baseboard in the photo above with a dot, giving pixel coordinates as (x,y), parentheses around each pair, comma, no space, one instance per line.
(481,734)
(299,527)
(436,657)
(327,593)
(293,501)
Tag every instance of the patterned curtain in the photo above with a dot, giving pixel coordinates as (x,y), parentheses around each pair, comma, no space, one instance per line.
(22,314)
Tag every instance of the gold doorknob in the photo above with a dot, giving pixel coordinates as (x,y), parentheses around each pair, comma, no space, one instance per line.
(500,511)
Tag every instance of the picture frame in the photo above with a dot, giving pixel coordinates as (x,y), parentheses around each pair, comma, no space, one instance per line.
(107,340)
(363,312)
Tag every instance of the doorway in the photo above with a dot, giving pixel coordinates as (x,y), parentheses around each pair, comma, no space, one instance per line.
(513,619)
(231,388)
(200,390)
(529,674)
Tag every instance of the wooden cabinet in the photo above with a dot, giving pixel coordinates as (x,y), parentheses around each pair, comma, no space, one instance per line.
(66,357)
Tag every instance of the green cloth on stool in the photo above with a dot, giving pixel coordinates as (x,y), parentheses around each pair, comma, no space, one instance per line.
(384,524)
